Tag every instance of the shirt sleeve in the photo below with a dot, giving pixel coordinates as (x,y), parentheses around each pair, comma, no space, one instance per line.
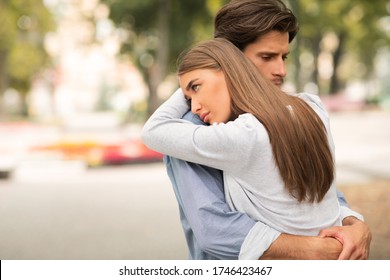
(341,199)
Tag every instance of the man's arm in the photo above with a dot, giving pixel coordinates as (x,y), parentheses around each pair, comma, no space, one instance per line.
(292,247)
(351,241)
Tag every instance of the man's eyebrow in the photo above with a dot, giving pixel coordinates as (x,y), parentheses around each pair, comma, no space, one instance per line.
(271,53)
(189,85)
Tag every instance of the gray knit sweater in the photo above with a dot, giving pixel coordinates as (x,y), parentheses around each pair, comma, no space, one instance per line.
(242,150)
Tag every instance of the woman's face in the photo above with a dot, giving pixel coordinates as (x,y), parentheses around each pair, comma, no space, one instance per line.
(208,94)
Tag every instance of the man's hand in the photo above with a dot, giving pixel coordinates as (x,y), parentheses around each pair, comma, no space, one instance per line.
(355,237)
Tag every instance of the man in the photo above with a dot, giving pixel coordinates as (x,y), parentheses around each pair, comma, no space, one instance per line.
(262,29)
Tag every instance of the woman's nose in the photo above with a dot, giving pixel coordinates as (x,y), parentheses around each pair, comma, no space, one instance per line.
(195,106)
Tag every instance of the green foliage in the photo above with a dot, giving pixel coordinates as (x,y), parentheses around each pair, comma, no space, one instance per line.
(188,21)
(24,60)
(157,31)
(357,23)
(23,24)
(359,26)
(7,28)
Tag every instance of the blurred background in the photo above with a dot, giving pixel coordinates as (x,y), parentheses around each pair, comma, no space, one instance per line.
(79,78)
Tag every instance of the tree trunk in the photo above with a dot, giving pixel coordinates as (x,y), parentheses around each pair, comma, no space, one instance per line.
(4,83)
(335,84)
(158,71)
(297,75)
(316,53)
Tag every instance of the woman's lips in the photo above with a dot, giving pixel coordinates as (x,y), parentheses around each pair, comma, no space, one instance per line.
(204,116)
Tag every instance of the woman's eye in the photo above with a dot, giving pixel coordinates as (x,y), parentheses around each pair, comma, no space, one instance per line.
(188,102)
(195,88)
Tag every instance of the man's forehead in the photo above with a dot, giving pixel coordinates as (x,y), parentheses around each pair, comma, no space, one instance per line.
(272,42)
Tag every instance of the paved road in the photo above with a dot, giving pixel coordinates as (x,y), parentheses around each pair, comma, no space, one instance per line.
(362,142)
(52,211)
(112,213)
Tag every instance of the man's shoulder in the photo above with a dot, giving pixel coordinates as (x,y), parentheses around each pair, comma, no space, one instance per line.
(189,116)
(314,100)
(175,164)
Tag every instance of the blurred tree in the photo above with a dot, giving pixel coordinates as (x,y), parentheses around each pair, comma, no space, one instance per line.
(343,33)
(23,24)
(338,40)
(156,31)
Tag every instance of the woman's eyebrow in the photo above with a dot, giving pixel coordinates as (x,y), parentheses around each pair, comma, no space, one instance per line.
(189,85)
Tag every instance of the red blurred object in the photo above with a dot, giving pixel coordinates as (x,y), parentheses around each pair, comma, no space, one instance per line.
(129,151)
(97,154)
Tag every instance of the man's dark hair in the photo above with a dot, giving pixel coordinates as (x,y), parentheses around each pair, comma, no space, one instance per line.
(242,22)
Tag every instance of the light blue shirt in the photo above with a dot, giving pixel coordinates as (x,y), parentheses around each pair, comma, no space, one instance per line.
(211,229)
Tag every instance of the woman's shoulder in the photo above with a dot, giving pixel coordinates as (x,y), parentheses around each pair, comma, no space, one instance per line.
(244,121)
(250,123)
(245,128)
(248,119)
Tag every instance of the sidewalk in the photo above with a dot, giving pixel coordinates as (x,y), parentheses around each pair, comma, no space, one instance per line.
(362,141)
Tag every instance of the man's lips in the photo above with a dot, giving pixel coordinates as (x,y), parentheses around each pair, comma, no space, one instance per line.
(278,82)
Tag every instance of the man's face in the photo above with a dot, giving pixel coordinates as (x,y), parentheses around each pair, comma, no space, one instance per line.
(269,53)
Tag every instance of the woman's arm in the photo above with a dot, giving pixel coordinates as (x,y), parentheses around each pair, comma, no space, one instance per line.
(216,146)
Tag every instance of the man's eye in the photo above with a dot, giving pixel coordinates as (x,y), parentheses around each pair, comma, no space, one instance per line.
(285,57)
(266,58)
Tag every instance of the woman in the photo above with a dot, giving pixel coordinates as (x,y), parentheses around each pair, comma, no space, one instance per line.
(274,149)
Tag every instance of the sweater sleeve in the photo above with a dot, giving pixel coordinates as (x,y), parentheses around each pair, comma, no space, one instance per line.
(217,145)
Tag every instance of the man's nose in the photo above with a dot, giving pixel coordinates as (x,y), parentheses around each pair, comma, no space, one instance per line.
(280,68)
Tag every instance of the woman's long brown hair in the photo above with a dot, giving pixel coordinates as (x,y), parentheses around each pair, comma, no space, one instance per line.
(297,134)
